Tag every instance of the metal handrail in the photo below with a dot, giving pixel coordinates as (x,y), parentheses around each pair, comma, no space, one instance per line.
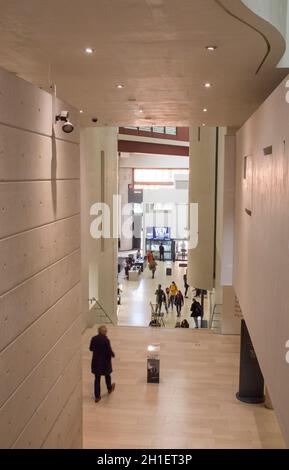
(98,306)
(213,315)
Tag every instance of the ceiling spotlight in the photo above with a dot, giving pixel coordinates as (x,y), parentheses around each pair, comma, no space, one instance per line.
(119,86)
(211,48)
(205,110)
(207,85)
(67,127)
(89,50)
(81,111)
(141,110)
(203,125)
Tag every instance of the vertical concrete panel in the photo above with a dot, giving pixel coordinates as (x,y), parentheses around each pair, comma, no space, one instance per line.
(202,192)
(40,320)
(24,255)
(26,205)
(24,106)
(99,266)
(125,179)
(228,211)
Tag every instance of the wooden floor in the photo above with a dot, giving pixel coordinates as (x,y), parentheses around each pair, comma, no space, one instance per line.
(193,407)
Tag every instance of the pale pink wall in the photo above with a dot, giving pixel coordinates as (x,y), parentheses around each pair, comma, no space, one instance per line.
(261,265)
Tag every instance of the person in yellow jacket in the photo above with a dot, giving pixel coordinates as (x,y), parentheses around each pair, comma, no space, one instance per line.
(173,292)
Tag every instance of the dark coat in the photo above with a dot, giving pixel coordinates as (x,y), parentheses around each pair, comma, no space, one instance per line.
(179,299)
(102,354)
(196,310)
(160,296)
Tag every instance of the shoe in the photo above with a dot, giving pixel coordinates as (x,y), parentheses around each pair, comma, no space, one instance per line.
(112,389)
(97,400)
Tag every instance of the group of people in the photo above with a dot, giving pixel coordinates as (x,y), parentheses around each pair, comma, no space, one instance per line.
(183,324)
(172,296)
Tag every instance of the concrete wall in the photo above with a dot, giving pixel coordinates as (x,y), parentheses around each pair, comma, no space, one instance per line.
(40,321)
(99,181)
(231,315)
(218,293)
(261,244)
(202,191)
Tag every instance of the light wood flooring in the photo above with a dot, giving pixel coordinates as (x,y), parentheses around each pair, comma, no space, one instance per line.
(193,407)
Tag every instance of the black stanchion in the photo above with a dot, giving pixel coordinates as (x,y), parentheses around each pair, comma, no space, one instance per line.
(251,388)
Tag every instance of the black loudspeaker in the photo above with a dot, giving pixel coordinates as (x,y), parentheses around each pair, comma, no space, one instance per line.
(169,271)
(251,388)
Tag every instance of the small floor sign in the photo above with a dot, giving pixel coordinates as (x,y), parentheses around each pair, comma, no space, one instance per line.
(153,364)
(153,370)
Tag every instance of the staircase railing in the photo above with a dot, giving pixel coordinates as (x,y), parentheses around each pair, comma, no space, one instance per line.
(103,316)
(215,317)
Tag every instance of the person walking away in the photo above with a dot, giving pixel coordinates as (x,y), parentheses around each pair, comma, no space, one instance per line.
(196,311)
(179,302)
(150,256)
(160,298)
(153,267)
(167,299)
(186,285)
(173,293)
(162,252)
(101,361)
(127,267)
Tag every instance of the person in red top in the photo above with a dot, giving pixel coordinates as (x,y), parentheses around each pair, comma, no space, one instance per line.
(150,257)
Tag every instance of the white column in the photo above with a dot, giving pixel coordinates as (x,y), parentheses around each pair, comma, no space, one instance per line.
(202,191)
(99,184)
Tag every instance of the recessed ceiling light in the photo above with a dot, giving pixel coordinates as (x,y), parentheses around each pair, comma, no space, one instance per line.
(203,124)
(207,85)
(211,48)
(81,111)
(205,110)
(119,86)
(89,50)
(141,110)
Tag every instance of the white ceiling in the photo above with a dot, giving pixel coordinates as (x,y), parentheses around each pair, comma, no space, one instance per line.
(156,48)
